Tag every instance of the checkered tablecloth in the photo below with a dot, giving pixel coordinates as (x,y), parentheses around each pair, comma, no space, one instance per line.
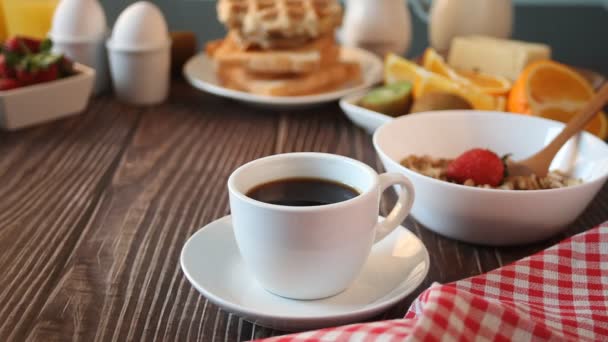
(559,294)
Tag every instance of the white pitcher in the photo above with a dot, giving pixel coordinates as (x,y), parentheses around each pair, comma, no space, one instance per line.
(380,26)
(452,18)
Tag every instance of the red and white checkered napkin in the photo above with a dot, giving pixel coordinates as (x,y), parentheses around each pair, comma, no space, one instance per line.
(558,294)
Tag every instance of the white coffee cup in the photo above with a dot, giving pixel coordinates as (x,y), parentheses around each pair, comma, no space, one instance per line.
(317,251)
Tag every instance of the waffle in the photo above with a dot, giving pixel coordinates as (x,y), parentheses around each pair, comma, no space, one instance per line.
(279,23)
(328,78)
(307,58)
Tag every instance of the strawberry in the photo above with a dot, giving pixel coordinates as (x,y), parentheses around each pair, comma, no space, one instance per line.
(40,67)
(25,76)
(6,69)
(29,61)
(66,66)
(22,45)
(481,166)
(13,44)
(9,83)
(49,74)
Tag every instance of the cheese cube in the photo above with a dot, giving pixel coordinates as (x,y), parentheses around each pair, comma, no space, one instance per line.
(500,57)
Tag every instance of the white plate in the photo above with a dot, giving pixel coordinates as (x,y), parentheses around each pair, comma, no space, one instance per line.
(212,263)
(362,117)
(200,72)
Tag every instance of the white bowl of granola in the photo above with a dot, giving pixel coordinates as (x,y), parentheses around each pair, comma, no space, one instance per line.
(505,215)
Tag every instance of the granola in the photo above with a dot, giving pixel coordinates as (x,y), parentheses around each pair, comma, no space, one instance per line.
(436,168)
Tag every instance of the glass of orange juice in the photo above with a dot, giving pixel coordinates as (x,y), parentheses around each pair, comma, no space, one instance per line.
(2,24)
(31,18)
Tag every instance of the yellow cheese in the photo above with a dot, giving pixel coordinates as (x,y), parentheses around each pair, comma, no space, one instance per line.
(500,57)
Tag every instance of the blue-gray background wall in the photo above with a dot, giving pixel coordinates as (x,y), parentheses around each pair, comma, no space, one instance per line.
(577,30)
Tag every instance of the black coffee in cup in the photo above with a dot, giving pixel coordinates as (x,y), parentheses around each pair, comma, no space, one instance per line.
(302,192)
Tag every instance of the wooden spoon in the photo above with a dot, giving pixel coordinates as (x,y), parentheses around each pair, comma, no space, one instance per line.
(539,162)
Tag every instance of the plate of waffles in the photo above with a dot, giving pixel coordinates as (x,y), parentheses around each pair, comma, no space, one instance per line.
(281,53)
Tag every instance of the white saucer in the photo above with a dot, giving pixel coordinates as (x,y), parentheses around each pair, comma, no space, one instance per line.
(200,72)
(212,263)
(367,119)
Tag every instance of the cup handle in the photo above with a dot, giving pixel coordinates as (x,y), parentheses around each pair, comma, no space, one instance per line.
(402,207)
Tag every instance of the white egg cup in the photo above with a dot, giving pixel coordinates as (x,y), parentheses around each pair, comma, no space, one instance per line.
(140,76)
(140,55)
(79,31)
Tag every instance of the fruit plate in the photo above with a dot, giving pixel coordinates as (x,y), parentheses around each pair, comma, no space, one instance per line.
(200,72)
(43,102)
(367,119)
(370,120)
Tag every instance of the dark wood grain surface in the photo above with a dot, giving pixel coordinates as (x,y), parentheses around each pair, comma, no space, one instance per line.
(95,209)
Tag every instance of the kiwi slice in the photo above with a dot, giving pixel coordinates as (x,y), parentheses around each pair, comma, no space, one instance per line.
(393,99)
(439,101)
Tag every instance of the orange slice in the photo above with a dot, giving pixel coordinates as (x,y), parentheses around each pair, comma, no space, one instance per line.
(553,90)
(424,81)
(438,83)
(501,103)
(400,69)
(432,61)
(489,84)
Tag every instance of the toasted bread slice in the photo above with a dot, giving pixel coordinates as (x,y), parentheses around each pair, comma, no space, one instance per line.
(328,78)
(307,58)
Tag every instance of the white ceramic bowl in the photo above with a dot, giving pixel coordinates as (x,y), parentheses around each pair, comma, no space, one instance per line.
(38,103)
(488,216)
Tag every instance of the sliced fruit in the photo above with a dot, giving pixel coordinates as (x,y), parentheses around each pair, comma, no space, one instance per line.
(439,101)
(393,99)
(548,82)
(432,61)
(437,83)
(401,69)
(553,90)
(501,103)
(489,84)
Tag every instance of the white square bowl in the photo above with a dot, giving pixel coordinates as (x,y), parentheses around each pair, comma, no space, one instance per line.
(35,104)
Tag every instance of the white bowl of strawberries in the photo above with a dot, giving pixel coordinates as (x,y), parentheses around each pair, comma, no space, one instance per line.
(37,85)
(440,152)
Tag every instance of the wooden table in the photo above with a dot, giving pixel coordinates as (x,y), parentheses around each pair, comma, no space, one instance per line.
(95,209)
